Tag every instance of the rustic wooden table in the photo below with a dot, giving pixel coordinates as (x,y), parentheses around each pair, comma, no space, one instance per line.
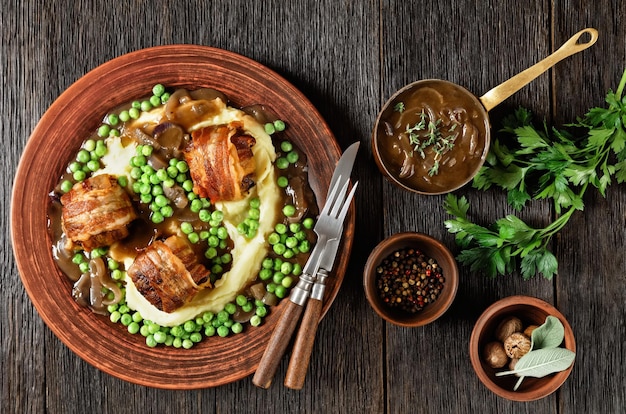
(347,57)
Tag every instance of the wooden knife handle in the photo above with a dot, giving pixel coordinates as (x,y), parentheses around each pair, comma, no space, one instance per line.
(277,345)
(303,347)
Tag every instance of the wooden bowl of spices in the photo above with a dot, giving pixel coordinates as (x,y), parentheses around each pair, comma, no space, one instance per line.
(410,279)
(523,314)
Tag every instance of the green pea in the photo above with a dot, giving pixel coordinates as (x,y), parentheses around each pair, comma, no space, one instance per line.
(230,308)
(79,175)
(208,316)
(93,165)
(155,100)
(187,343)
(195,337)
(186,227)
(261,311)
(223,331)
(286,268)
(292,157)
(165,97)
(223,316)
(210,253)
(146,106)
(269,128)
(136,104)
(195,206)
(222,233)
(281,291)
(167,211)
(265,274)
(113,119)
(286,146)
(255,320)
(189,326)
(308,223)
(187,185)
(124,116)
(289,210)
(133,328)
(134,113)
(304,246)
(237,328)
(287,282)
(150,341)
(227,258)
(158,89)
(115,316)
(83,156)
(247,307)
(291,242)
(241,300)
(282,181)
(204,215)
(267,263)
(282,163)
(279,125)
(277,277)
(126,319)
(182,166)
(193,237)
(122,180)
(209,331)
(280,228)
(66,186)
(104,130)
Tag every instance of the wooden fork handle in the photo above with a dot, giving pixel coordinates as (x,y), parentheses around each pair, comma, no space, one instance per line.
(277,345)
(303,347)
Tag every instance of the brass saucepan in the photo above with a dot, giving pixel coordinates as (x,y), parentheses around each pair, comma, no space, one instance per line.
(455,119)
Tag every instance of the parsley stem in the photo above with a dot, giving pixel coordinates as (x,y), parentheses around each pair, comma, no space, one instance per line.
(620,88)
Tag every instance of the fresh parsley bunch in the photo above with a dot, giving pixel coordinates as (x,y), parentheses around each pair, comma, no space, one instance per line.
(533,163)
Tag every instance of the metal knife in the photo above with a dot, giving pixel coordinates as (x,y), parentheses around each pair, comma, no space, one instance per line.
(291,314)
(303,346)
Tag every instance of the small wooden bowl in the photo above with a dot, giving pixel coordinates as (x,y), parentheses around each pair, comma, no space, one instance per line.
(430,247)
(531,311)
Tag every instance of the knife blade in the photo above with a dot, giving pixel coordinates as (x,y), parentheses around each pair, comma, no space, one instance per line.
(281,336)
(303,345)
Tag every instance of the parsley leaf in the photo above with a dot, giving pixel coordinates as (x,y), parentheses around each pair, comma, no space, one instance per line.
(531,162)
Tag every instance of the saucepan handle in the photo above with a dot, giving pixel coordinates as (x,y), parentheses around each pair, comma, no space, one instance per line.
(508,88)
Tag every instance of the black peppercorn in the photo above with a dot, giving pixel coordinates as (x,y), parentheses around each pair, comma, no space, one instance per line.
(409,280)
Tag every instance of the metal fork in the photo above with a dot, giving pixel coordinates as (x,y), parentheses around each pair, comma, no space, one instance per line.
(329,226)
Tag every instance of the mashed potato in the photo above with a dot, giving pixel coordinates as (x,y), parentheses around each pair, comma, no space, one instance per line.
(247,253)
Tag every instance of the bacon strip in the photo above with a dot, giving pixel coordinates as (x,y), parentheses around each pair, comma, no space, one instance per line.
(221,162)
(168,275)
(96,212)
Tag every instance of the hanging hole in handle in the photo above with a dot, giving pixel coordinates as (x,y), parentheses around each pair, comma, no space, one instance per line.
(583,39)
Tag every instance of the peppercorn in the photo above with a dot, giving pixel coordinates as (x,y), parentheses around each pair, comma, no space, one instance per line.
(409,280)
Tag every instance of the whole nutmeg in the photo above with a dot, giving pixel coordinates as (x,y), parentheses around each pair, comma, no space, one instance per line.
(494,355)
(517,345)
(529,330)
(508,326)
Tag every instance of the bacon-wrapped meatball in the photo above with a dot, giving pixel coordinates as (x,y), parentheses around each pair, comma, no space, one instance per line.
(168,275)
(221,162)
(96,212)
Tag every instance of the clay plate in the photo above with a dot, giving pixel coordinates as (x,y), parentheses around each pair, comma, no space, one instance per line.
(54,142)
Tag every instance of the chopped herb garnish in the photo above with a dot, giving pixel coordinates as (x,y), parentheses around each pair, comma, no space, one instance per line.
(427,133)
(399,107)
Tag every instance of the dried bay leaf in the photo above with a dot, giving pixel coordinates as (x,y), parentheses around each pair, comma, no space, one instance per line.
(542,362)
(548,335)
